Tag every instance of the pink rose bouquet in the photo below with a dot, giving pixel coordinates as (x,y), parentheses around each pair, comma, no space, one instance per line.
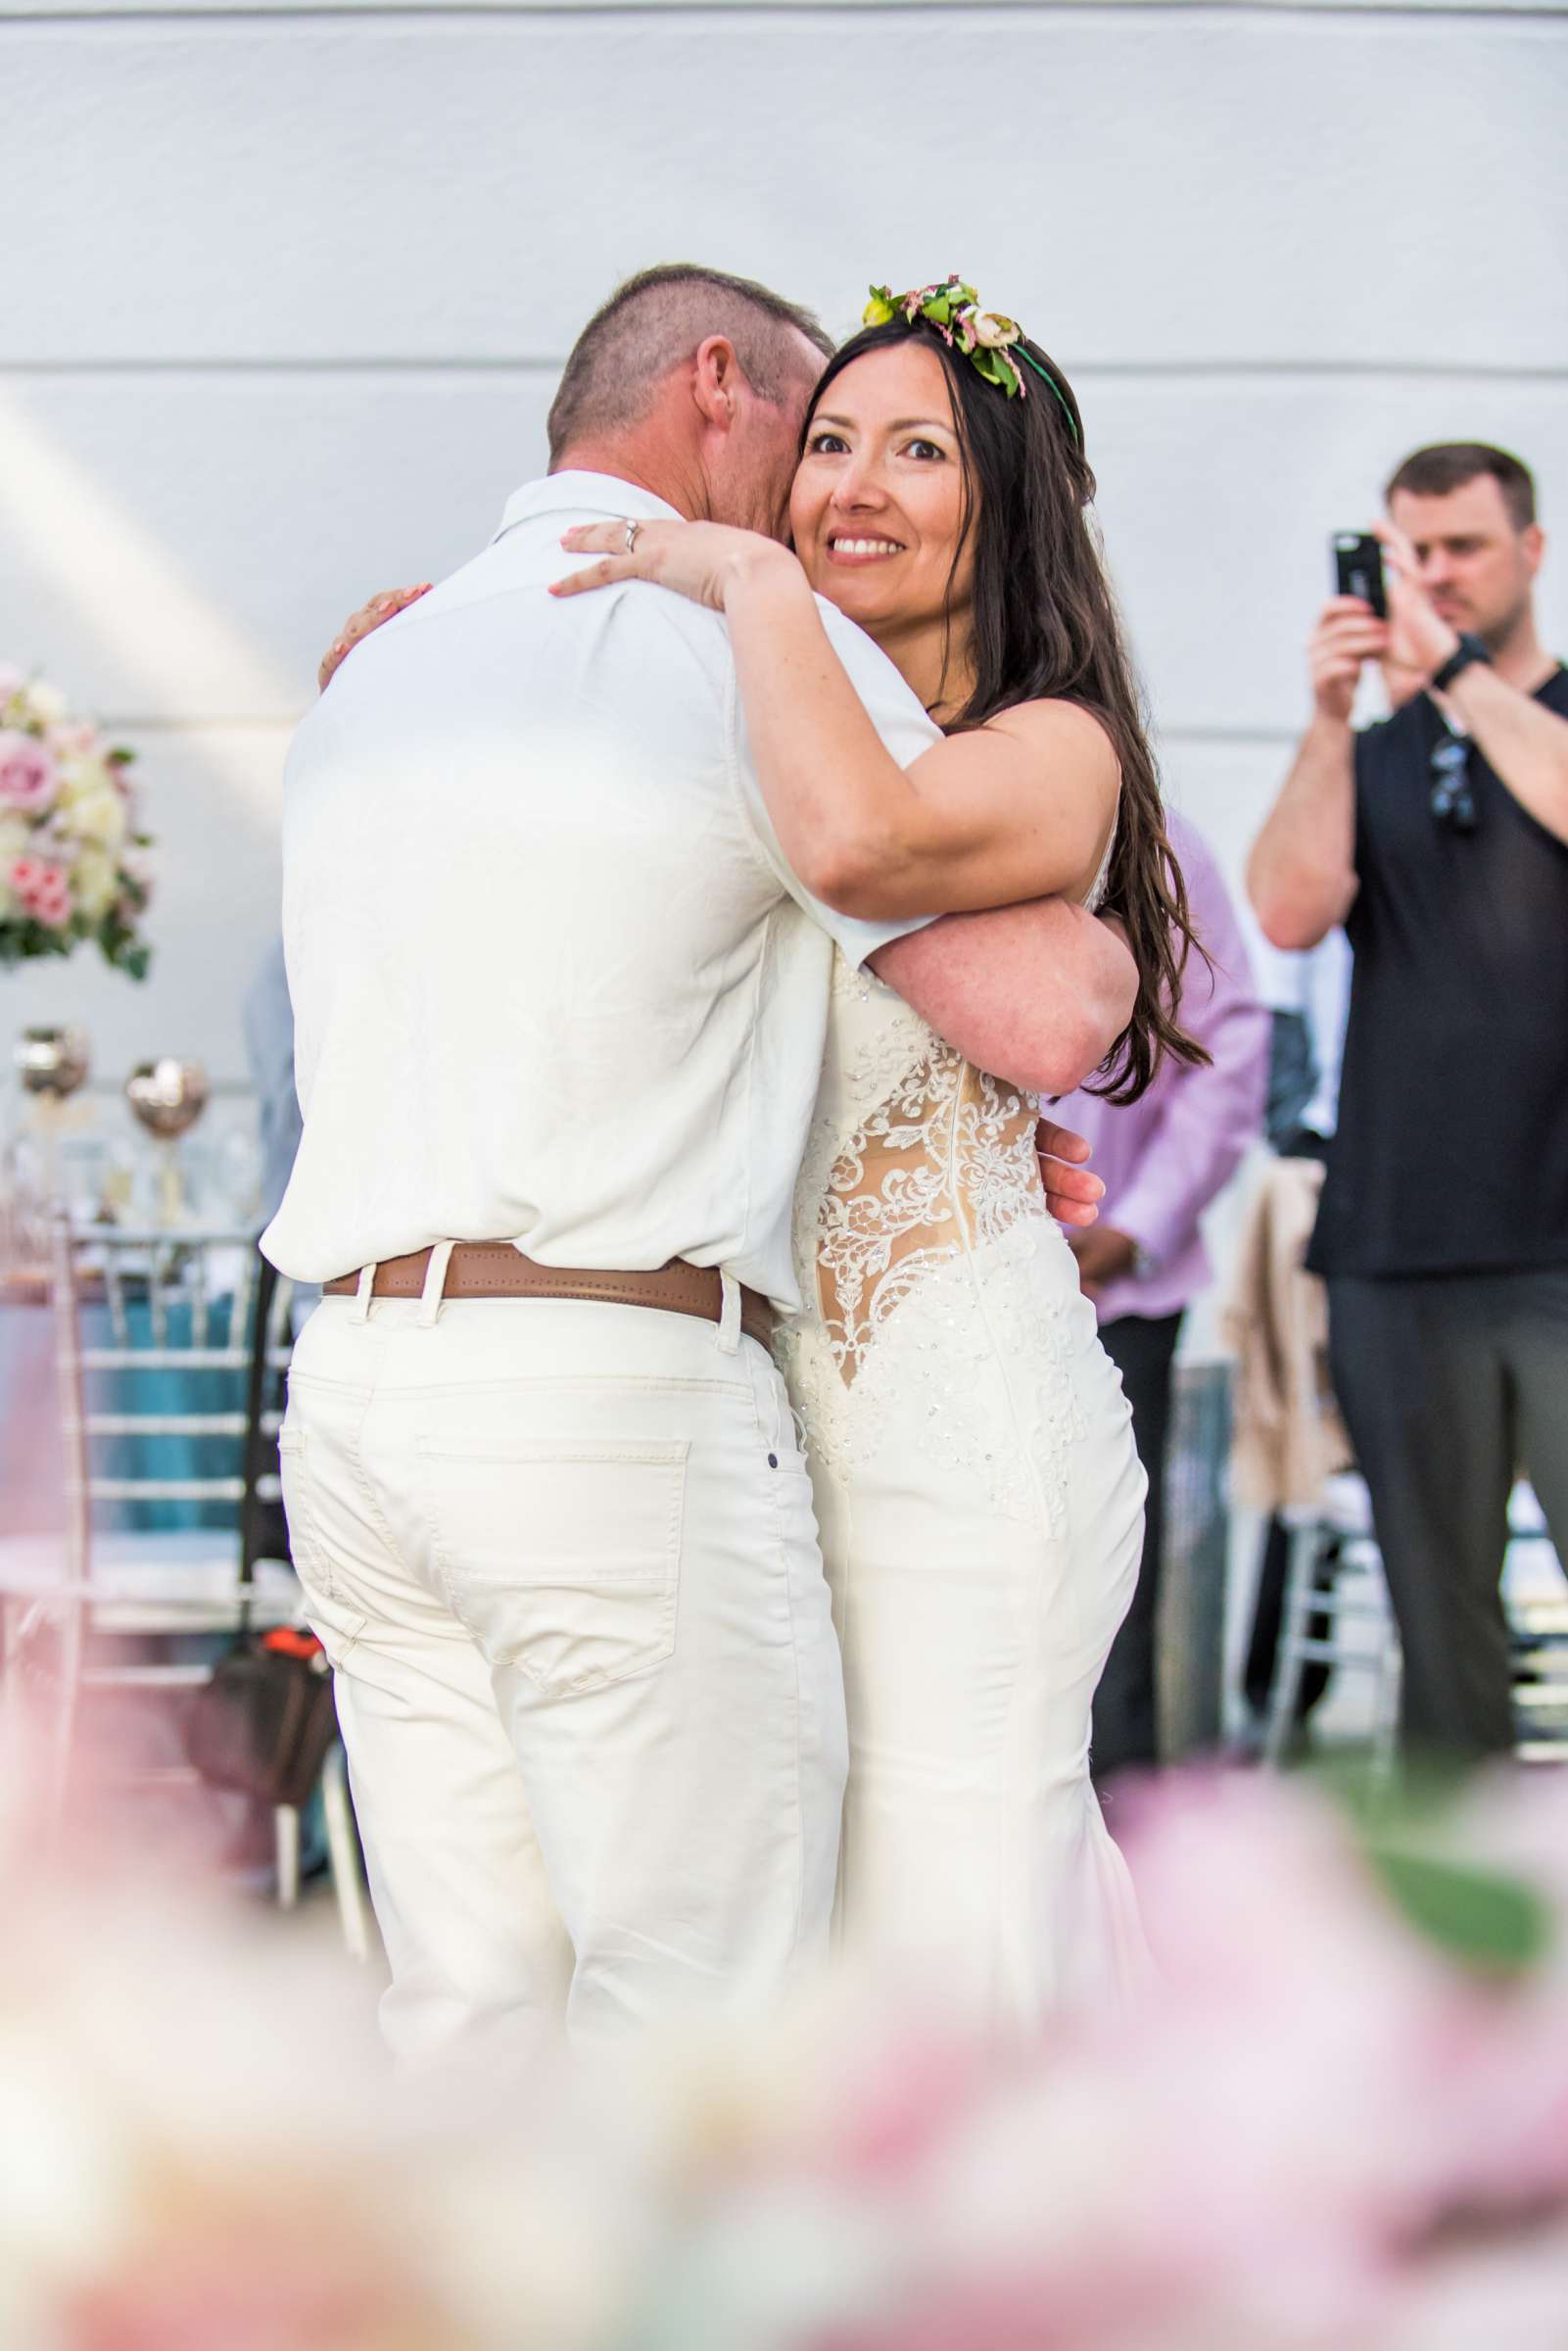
(72,851)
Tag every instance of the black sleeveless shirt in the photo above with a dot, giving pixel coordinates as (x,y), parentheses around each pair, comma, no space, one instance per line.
(1451,1149)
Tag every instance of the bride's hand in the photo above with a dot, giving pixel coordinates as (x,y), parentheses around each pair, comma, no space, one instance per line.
(360,624)
(701,561)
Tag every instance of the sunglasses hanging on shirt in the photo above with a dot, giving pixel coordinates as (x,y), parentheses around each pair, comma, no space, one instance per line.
(1452,800)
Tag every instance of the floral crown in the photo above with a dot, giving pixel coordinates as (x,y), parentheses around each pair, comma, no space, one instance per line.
(993,344)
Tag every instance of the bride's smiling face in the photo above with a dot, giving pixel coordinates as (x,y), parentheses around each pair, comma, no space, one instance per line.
(876,510)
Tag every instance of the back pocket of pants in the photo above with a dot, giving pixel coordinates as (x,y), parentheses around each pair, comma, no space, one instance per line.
(561,1560)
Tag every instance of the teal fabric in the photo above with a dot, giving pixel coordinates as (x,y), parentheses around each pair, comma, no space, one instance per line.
(185,1389)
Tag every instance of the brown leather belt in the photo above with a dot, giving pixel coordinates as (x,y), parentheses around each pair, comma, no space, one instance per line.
(496,1269)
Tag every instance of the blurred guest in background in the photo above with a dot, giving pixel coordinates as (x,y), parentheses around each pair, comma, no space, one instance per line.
(269,1050)
(1308,996)
(1162,1159)
(1439,839)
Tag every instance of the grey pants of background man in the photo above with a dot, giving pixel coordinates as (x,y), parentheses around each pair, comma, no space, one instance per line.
(1450,1384)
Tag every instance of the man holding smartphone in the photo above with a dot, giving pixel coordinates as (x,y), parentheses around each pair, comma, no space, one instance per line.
(1439,839)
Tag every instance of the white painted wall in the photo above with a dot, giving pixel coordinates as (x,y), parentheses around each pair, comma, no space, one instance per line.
(286,290)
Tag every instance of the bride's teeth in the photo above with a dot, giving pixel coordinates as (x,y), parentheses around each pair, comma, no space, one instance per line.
(866,547)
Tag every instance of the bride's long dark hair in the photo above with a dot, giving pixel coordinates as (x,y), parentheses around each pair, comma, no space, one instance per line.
(1045,626)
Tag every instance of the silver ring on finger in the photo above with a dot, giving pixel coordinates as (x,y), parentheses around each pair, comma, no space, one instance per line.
(631,529)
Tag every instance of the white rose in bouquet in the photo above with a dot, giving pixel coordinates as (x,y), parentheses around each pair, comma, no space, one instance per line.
(94,883)
(15,847)
(96,812)
(45,702)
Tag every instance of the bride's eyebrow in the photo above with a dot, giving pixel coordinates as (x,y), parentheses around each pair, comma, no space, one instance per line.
(900,424)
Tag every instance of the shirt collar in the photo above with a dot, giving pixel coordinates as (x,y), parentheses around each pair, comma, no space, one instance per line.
(574,493)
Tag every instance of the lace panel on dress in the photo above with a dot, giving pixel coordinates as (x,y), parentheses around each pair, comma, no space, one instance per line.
(946,1162)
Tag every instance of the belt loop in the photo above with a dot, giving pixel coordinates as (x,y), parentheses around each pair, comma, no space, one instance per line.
(359,1311)
(435,1283)
(729,1314)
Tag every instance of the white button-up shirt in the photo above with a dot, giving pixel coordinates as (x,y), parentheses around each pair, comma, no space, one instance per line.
(552,980)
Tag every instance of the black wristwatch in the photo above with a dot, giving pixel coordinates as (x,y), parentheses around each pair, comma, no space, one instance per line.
(1469,649)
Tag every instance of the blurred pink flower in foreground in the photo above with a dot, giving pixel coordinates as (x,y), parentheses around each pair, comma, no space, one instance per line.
(1319,2133)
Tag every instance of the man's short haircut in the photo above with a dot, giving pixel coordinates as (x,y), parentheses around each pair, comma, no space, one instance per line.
(654,323)
(1447,466)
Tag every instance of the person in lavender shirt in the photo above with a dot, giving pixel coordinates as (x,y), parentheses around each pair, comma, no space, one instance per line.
(1162,1159)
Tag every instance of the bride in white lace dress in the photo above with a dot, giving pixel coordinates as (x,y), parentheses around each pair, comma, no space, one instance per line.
(979,1499)
(980,1507)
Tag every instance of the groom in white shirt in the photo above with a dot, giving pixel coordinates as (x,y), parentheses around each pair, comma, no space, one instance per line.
(559,1014)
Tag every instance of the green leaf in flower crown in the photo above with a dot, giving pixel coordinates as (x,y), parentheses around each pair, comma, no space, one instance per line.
(939,310)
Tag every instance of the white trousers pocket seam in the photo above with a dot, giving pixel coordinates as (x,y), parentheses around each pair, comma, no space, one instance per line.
(570,1579)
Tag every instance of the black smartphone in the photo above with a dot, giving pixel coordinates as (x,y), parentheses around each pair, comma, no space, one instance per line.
(1358,569)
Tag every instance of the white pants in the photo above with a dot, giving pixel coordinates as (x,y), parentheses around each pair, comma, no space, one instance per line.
(563,1559)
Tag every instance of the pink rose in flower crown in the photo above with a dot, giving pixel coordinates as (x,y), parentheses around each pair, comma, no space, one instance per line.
(28,778)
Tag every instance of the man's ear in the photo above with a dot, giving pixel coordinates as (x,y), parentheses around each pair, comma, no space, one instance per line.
(1533,540)
(716,381)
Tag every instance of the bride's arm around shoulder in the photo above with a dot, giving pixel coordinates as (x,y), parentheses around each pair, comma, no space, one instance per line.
(886,819)
(1020,807)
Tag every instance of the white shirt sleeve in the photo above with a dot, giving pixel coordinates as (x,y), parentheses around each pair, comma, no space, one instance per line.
(905,730)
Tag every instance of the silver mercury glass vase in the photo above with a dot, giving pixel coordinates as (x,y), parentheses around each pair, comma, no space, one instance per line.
(52,1061)
(168,1096)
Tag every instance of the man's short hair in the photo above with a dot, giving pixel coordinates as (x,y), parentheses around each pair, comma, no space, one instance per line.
(654,323)
(1447,466)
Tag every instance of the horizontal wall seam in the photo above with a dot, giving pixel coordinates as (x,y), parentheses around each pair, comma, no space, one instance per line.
(573,10)
(119,722)
(1221,372)
(227,724)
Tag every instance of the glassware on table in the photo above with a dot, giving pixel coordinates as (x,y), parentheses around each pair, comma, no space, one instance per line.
(52,1063)
(168,1096)
(116,1183)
